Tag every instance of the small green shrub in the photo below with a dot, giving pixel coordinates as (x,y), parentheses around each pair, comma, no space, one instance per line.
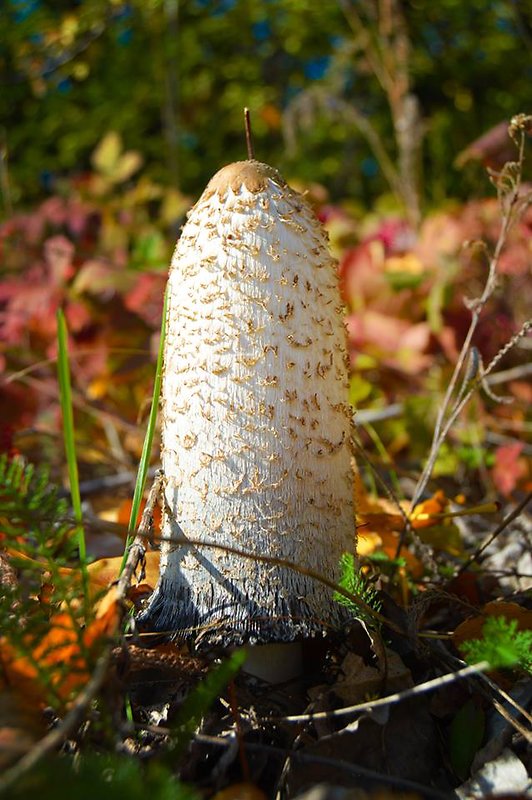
(502,645)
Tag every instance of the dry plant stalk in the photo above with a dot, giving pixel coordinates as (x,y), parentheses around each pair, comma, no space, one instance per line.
(380,42)
(469,374)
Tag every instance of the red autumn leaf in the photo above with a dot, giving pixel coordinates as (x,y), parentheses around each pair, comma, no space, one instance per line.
(397,343)
(508,467)
(494,148)
(145,298)
(78,316)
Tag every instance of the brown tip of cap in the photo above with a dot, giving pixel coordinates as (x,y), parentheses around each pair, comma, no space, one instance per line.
(252,174)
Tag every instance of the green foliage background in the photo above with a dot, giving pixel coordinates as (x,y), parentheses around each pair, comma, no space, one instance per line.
(172,76)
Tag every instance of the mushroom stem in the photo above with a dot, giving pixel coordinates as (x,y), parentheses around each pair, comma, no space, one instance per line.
(274,663)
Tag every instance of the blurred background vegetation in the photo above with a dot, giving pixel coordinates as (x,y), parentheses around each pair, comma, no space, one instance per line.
(365,97)
(114,114)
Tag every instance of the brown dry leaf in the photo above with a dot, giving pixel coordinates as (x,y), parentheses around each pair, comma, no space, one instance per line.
(414,566)
(368,542)
(34,562)
(381,515)
(240,791)
(472,628)
(386,542)
(362,681)
(445,537)
(21,725)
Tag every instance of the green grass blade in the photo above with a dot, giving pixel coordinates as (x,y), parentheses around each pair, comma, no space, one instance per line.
(65,396)
(148,439)
(202,697)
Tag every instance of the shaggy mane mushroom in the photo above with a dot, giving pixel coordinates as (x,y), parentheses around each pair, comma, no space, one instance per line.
(256,424)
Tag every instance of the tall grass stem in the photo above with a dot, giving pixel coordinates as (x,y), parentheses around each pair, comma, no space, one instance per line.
(148,439)
(65,397)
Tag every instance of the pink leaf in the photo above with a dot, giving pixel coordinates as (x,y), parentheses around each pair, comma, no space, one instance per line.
(146,297)
(508,467)
(58,253)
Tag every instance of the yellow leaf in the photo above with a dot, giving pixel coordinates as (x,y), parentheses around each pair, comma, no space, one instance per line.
(107,153)
(126,166)
(409,263)
(105,571)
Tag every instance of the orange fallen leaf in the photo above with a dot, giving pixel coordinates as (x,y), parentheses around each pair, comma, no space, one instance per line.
(367,542)
(472,628)
(423,514)
(414,567)
(124,512)
(62,660)
(382,515)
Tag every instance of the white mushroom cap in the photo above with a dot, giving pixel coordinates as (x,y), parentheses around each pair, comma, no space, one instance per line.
(255,417)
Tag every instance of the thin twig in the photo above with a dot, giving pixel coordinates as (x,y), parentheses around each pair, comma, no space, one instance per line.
(499,529)
(37,366)
(287,762)
(508,697)
(478,680)
(525,733)
(392,699)
(382,483)
(306,758)
(108,482)
(522,332)
(512,374)
(79,402)
(370,415)
(249,138)
(356,770)
(137,548)
(448,412)
(233,704)
(422,549)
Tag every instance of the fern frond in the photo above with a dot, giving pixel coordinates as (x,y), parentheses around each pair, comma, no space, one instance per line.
(354,581)
(27,491)
(502,645)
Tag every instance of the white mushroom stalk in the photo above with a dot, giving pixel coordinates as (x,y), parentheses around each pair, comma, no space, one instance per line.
(256,425)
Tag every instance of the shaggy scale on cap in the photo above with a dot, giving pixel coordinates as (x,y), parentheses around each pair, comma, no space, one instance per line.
(256,424)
